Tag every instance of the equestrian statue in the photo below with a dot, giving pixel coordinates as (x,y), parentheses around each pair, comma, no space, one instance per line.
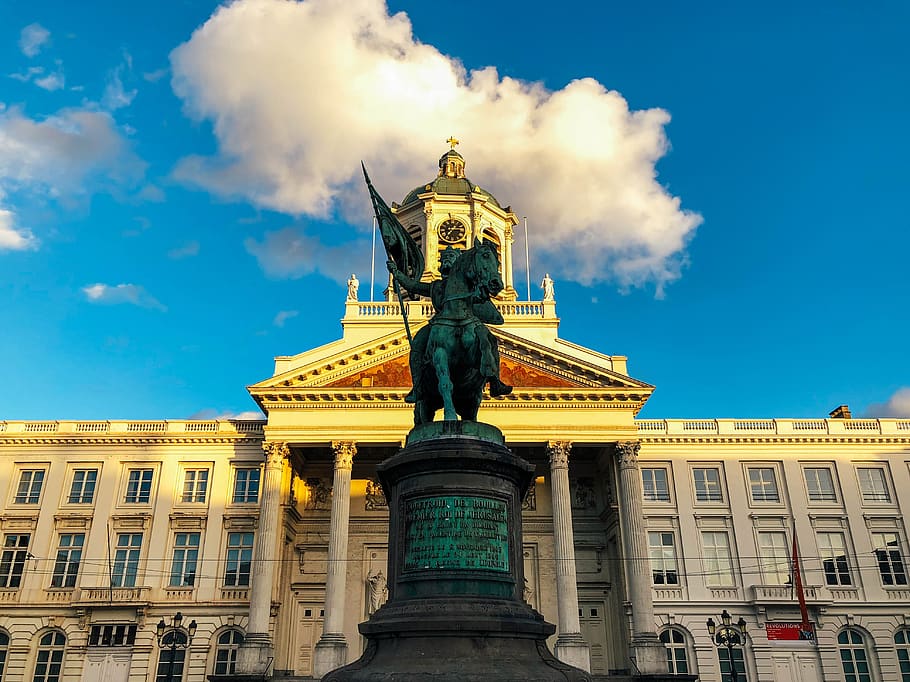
(455,355)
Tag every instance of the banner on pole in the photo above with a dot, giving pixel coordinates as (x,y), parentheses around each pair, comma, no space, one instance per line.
(790,632)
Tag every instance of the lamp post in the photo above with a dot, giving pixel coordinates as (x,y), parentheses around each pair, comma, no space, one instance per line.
(729,637)
(174,638)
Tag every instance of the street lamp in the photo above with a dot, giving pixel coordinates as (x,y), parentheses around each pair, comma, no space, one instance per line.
(729,637)
(173,638)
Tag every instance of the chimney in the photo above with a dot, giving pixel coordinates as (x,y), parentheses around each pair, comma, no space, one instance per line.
(841,412)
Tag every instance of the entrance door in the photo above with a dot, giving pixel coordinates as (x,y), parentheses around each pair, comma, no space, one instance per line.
(796,666)
(591,617)
(107,666)
(309,630)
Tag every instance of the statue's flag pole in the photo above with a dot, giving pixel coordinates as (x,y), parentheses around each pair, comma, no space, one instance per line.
(400,247)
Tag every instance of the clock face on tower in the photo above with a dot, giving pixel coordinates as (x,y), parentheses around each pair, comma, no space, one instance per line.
(451,231)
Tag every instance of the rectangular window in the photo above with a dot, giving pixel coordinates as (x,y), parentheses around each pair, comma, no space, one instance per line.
(663,558)
(183,566)
(820,484)
(890,558)
(69,556)
(707,484)
(873,484)
(126,560)
(112,635)
(82,490)
(246,486)
(239,556)
(139,486)
(29,489)
(718,559)
(774,557)
(833,553)
(12,559)
(195,485)
(763,484)
(654,485)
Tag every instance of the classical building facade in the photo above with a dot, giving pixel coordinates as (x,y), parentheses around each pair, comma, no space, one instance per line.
(271,535)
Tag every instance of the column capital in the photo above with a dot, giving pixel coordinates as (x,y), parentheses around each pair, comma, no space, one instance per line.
(558,452)
(275,453)
(344,453)
(627,454)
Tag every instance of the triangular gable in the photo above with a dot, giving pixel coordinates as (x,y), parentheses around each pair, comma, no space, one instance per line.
(383,363)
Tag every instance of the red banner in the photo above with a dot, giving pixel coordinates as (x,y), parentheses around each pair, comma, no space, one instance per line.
(790,632)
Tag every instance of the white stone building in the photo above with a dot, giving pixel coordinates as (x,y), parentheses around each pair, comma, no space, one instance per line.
(273,533)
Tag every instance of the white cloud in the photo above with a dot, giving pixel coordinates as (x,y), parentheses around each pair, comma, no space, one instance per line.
(28,74)
(211,413)
(32,38)
(133,294)
(70,154)
(116,96)
(291,253)
(185,251)
(897,406)
(11,238)
(52,81)
(283,316)
(154,76)
(337,82)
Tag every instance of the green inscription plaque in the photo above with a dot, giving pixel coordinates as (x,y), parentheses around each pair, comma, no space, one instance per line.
(455,532)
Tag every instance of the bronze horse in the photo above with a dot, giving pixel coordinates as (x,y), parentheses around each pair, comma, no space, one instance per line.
(455,354)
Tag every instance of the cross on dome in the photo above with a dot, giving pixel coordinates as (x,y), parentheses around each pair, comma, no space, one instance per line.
(452,141)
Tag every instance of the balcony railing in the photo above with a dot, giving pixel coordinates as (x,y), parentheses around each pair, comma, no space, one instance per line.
(112,428)
(780,594)
(514,311)
(770,427)
(115,595)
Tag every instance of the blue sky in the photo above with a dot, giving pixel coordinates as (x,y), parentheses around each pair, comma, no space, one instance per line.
(718,189)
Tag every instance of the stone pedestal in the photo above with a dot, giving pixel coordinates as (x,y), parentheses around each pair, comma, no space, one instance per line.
(456,573)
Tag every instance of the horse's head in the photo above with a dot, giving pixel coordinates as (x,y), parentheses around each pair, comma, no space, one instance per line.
(482,267)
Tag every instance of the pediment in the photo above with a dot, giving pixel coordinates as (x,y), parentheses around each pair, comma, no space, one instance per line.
(383,364)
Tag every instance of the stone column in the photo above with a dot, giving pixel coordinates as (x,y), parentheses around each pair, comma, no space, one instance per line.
(331,649)
(647,650)
(570,647)
(256,653)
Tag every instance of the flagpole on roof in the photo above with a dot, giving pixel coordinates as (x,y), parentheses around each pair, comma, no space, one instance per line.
(527,258)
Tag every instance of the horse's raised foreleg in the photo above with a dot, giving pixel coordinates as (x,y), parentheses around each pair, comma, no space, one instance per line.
(441,365)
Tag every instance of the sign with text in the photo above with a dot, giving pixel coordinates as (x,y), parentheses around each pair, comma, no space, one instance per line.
(789,632)
(456,532)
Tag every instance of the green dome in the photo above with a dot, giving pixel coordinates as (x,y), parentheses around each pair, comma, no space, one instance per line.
(446,185)
(451,180)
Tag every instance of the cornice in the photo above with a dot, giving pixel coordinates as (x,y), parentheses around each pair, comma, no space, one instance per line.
(776,440)
(48,439)
(311,397)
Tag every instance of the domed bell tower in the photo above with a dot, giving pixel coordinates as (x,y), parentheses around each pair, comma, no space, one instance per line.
(453,211)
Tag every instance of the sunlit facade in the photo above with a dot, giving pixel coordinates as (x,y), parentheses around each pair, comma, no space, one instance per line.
(270,535)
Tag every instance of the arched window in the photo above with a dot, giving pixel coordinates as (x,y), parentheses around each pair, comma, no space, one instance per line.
(853,657)
(226,652)
(902,644)
(677,654)
(49,660)
(172,658)
(4,649)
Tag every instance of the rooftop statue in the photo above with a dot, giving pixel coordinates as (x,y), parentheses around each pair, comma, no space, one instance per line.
(455,355)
